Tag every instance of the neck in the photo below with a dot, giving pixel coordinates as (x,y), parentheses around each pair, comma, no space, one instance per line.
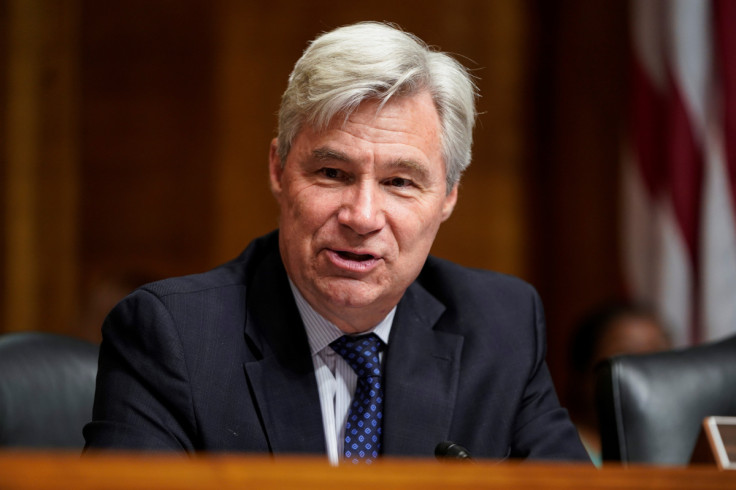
(348,320)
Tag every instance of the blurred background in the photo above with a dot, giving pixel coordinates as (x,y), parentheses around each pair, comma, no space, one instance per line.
(135,136)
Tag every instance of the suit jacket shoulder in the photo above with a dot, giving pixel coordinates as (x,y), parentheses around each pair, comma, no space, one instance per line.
(208,362)
(238,272)
(487,306)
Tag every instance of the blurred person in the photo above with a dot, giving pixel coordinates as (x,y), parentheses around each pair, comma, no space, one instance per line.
(607,331)
(338,334)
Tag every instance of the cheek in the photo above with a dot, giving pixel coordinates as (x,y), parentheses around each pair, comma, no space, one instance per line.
(308,208)
(416,223)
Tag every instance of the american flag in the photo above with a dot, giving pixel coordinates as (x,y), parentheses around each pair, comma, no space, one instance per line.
(679,172)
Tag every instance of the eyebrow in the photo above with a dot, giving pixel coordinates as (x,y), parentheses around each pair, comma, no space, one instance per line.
(412,166)
(325,153)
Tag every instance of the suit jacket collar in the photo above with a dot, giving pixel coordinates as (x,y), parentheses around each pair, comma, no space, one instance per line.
(421,369)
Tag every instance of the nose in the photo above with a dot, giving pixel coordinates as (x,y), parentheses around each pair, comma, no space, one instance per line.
(362,209)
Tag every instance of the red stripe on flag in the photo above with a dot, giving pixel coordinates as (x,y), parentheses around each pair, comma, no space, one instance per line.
(724,17)
(684,156)
(647,128)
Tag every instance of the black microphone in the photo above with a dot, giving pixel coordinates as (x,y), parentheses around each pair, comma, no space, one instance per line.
(450,450)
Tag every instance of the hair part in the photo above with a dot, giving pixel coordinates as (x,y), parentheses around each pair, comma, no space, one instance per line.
(372,60)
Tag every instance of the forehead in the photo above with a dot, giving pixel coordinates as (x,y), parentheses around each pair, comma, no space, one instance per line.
(416,113)
(404,125)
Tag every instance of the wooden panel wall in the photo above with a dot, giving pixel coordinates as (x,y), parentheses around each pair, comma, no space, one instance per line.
(581,79)
(40,165)
(4,172)
(148,135)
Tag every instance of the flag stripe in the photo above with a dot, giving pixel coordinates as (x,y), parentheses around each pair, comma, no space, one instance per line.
(648,126)
(724,17)
(684,170)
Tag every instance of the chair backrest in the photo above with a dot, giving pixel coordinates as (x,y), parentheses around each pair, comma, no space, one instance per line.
(651,406)
(47,386)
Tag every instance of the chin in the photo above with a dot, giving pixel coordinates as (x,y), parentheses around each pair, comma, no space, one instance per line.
(353,294)
(351,297)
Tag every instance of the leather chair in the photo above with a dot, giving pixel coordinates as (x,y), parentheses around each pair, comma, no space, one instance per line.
(47,386)
(651,406)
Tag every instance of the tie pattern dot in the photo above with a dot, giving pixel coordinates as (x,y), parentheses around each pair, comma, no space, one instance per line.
(363,426)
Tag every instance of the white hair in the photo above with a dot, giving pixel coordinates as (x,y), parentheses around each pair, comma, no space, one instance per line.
(373,60)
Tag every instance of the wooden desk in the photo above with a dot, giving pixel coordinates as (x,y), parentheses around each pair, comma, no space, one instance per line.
(69,471)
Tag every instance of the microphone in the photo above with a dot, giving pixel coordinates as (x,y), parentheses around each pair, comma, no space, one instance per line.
(450,450)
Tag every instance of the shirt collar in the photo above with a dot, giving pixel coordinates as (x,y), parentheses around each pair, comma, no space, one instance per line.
(321,332)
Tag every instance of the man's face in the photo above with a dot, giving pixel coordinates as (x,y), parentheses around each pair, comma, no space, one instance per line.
(361,203)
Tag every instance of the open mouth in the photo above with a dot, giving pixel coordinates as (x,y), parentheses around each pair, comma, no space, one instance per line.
(356,257)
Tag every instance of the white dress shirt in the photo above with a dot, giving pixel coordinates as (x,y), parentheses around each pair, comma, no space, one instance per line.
(336,380)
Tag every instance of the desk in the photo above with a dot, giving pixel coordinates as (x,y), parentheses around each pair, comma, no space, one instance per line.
(142,471)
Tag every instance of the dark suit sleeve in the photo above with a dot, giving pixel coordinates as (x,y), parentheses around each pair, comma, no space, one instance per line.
(143,398)
(543,429)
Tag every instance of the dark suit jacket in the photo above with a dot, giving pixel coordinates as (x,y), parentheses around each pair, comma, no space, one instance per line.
(220,362)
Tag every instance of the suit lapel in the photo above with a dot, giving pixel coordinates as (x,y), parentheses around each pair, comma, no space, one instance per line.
(421,377)
(281,373)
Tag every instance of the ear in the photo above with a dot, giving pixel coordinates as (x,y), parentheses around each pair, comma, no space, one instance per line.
(274,169)
(449,204)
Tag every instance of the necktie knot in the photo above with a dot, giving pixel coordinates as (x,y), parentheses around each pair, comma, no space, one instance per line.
(361,353)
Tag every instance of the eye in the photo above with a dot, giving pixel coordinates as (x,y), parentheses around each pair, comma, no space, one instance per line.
(399,182)
(330,173)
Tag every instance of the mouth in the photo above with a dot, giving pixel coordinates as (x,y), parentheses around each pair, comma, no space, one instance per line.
(353,262)
(353,256)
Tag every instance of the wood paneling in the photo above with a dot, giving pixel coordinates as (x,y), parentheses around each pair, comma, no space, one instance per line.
(40,176)
(4,164)
(581,94)
(147,130)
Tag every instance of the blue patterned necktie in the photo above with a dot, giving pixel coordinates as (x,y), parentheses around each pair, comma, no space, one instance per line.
(363,426)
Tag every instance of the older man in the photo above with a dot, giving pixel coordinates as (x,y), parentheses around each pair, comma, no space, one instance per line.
(338,334)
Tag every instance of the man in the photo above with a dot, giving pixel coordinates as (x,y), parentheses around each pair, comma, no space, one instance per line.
(269,352)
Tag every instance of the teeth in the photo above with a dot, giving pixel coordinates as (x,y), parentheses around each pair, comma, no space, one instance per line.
(352,256)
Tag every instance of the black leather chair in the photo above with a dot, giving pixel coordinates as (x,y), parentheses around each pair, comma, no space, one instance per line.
(47,386)
(651,406)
